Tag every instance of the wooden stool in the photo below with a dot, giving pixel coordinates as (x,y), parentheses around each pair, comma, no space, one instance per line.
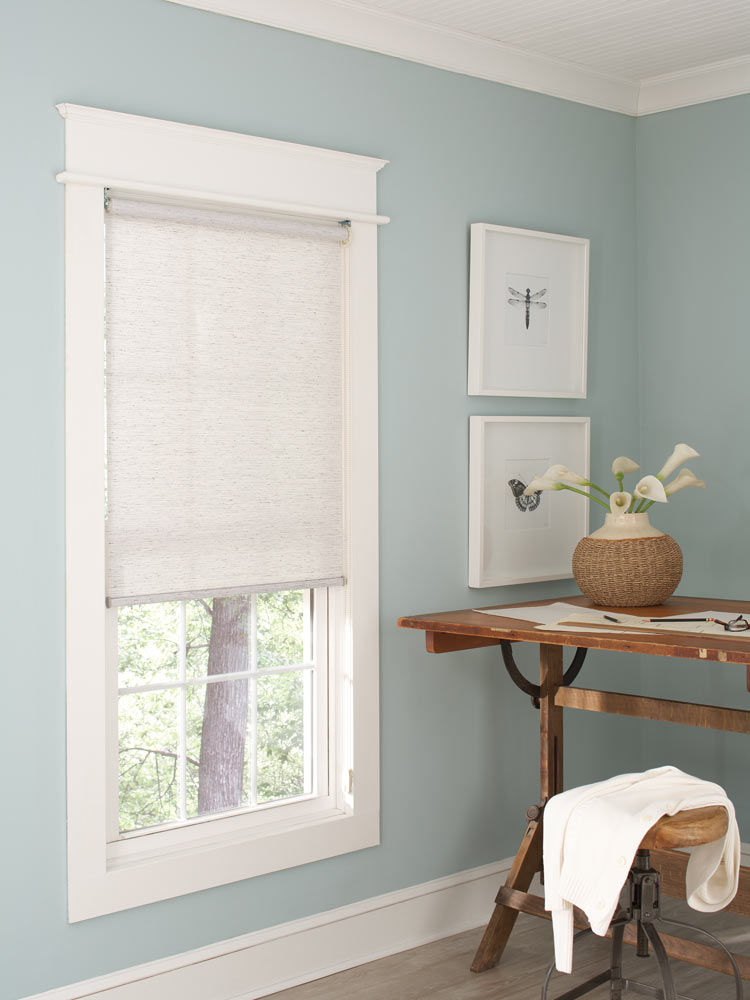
(685,829)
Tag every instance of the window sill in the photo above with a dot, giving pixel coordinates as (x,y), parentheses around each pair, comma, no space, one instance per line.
(164,872)
(219,832)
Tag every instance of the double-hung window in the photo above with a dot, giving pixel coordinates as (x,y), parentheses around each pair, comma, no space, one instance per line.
(221,507)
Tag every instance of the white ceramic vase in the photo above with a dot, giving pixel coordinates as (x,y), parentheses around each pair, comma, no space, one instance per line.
(621,525)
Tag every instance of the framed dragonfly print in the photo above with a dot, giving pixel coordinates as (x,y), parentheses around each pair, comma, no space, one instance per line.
(514,538)
(528,313)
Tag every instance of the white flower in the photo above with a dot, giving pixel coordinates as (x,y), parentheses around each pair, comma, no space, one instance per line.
(541,483)
(619,502)
(560,473)
(685,478)
(681,453)
(622,466)
(649,488)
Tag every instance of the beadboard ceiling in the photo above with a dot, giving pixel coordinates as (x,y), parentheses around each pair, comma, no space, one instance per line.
(635,56)
(631,39)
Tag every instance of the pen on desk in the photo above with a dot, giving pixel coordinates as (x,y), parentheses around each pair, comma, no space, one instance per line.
(611,619)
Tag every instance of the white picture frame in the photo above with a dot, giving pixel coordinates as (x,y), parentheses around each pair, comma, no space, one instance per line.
(528,313)
(518,542)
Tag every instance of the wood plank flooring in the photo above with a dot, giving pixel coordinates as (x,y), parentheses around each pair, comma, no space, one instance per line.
(440,971)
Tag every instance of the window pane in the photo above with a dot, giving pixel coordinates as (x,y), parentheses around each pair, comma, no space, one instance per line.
(195,701)
(217,746)
(284,710)
(281,625)
(190,750)
(197,636)
(149,759)
(147,643)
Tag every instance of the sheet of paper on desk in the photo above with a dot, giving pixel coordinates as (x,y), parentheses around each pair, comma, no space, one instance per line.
(546,614)
(573,617)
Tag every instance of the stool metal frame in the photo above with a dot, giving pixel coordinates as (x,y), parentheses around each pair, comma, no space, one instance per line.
(644,907)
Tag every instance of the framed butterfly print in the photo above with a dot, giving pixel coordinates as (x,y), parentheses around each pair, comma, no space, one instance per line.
(513,538)
(528,313)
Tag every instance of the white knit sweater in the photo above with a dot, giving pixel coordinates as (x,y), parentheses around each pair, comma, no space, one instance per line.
(591,835)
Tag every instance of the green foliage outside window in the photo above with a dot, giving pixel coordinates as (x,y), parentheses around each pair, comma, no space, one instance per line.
(149,733)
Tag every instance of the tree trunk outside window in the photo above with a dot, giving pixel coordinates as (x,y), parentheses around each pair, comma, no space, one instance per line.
(225,716)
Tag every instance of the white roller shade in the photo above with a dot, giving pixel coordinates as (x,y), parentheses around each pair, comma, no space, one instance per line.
(224,388)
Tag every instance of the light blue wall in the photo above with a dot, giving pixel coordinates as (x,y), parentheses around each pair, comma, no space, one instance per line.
(459,754)
(693,262)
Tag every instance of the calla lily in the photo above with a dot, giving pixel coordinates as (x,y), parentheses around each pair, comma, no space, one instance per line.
(541,483)
(560,473)
(546,482)
(650,488)
(685,478)
(619,502)
(681,453)
(622,466)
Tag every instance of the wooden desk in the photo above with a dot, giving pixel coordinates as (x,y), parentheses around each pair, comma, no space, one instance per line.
(457,630)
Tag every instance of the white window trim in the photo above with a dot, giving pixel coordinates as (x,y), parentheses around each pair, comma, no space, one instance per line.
(168,160)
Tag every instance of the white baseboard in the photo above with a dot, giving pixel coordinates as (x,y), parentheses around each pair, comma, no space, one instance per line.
(264,962)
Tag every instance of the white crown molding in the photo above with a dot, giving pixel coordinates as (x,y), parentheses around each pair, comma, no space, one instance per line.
(349,23)
(278,958)
(406,38)
(712,82)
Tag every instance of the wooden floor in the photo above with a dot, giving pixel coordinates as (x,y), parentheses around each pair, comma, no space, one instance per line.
(440,971)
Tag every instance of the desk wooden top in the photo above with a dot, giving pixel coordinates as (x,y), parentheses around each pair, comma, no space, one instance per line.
(734,648)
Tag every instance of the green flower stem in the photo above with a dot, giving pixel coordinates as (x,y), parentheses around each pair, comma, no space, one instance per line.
(594,486)
(563,486)
(631,508)
(619,476)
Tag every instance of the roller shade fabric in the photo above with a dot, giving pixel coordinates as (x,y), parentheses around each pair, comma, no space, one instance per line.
(224,395)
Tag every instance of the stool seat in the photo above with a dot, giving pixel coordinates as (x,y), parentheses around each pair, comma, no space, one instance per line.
(640,904)
(687,829)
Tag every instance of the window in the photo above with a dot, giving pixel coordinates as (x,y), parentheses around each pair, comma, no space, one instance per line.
(222,562)
(221,706)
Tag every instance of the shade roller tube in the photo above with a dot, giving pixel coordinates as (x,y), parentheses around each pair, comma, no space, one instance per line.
(124,207)
(224,395)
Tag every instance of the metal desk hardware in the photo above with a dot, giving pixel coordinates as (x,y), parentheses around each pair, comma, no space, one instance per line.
(535,690)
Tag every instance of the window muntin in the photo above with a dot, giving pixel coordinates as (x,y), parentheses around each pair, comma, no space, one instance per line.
(263,741)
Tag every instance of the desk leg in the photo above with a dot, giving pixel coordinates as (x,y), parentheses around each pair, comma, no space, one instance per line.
(528,860)
(550,723)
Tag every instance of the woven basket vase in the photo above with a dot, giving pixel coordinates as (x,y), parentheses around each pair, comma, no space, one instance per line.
(628,572)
